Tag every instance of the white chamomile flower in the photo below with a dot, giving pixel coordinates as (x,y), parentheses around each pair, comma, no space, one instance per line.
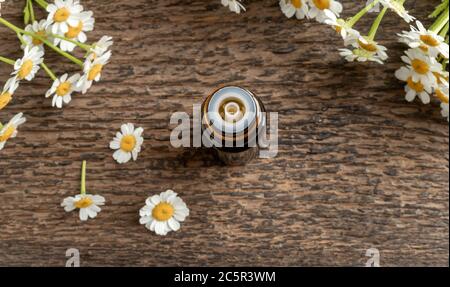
(77,33)
(100,47)
(299,8)
(413,88)
(163,213)
(127,143)
(9,130)
(62,14)
(398,8)
(41,29)
(365,50)
(234,5)
(341,26)
(423,67)
(444,110)
(27,67)
(8,91)
(86,203)
(318,7)
(92,71)
(62,90)
(427,41)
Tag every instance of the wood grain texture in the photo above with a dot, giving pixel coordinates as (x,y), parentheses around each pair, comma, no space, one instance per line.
(358,166)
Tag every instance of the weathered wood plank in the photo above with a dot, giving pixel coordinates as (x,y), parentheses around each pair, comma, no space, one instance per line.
(358,167)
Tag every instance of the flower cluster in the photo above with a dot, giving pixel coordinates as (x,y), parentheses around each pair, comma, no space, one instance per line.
(161,214)
(310,9)
(426,60)
(361,47)
(63,30)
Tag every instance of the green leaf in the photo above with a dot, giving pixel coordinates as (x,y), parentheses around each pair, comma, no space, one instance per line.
(26,14)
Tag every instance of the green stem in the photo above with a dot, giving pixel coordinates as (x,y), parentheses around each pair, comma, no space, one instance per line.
(56,49)
(42,3)
(1,126)
(7,24)
(376,24)
(440,22)
(49,71)
(81,45)
(441,7)
(22,41)
(45,41)
(361,13)
(444,31)
(83,178)
(30,7)
(7,61)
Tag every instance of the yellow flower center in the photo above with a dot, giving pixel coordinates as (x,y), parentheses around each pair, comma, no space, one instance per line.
(61,15)
(429,40)
(63,89)
(128,143)
(7,134)
(420,66)
(25,69)
(370,47)
(37,41)
(416,86)
(441,96)
(322,4)
(297,3)
(95,71)
(5,98)
(74,31)
(163,211)
(338,29)
(84,202)
(423,48)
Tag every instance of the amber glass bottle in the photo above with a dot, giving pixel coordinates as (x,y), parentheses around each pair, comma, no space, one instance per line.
(232,120)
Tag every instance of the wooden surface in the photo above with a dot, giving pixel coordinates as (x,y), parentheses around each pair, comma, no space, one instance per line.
(358,167)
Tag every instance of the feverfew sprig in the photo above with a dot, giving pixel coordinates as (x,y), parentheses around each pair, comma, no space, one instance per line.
(64,29)
(425,72)
(88,205)
(426,60)
(360,47)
